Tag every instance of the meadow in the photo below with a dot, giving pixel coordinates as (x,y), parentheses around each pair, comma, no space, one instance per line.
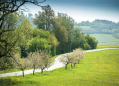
(99,68)
(106,39)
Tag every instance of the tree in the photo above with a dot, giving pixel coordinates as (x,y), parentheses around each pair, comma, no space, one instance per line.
(91,41)
(54,43)
(45,18)
(78,54)
(22,63)
(7,7)
(39,41)
(45,61)
(68,23)
(35,59)
(26,33)
(66,59)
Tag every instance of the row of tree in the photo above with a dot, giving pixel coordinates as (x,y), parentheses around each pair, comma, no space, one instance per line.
(37,59)
(72,58)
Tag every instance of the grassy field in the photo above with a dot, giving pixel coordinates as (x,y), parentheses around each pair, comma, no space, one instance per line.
(106,39)
(107,46)
(99,68)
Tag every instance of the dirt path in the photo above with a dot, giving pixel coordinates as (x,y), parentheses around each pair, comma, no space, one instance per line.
(56,64)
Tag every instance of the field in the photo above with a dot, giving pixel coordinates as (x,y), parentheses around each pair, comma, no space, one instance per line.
(106,39)
(99,68)
(107,46)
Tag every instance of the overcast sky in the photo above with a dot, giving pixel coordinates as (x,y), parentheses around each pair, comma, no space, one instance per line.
(83,10)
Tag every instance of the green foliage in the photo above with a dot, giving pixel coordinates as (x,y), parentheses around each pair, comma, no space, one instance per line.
(6,63)
(45,18)
(91,41)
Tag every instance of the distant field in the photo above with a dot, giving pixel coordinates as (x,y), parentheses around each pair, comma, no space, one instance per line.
(107,46)
(106,39)
(99,68)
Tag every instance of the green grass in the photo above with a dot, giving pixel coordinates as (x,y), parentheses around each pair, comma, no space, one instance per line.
(107,46)
(106,39)
(99,68)
(13,70)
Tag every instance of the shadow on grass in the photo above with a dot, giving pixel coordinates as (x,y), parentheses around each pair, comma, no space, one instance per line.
(11,82)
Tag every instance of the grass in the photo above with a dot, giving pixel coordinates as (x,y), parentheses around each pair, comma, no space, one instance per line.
(106,39)
(99,68)
(107,46)
(13,70)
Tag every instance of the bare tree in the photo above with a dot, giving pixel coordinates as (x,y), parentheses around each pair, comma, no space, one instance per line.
(45,60)
(22,63)
(8,7)
(35,60)
(79,54)
(72,57)
(66,59)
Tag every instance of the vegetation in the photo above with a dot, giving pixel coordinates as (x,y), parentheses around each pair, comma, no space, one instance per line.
(100,27)
(72,57)
(98,68)
(9,23)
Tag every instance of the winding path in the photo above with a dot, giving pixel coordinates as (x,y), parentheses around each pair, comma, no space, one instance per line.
(56,64)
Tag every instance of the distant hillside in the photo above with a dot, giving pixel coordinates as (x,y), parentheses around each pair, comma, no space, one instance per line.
(99,26)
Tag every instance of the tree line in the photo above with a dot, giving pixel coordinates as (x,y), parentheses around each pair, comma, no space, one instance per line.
(100,26)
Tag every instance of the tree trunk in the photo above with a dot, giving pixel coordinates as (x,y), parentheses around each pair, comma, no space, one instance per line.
(74,64)
(23,72)
(42,71)
(65,66)
(34,70)
(71,65)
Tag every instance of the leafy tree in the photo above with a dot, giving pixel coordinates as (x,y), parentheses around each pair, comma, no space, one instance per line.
(91,41)
(8,32)
(7,7)
(45,18)
(68,23)
(26,32)
(39,41)
(54,43)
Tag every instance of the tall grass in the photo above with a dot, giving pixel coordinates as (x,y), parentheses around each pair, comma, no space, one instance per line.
(99,68)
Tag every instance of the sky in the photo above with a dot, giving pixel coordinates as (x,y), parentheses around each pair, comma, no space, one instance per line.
(83,10)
